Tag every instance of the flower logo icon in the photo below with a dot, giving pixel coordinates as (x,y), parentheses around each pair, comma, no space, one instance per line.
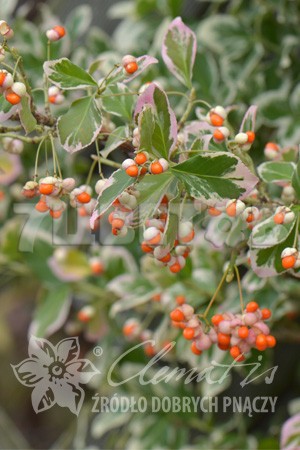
(55,373)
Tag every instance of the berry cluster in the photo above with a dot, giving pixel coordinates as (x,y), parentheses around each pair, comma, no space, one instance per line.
(175,257)
(140,165)
(55,95)
(52,189)
(237,333)
(121,217)
(13,91)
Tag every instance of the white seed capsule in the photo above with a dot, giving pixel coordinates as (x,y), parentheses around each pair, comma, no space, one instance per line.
(235,208)
(52,35)
(289,251)
(251,214)
(19,88)
(151,233)
(241,138)
(288,194)
(128,59)
(100,185)
(53,90)
(128,163)
(8,81)
(220,111)
(164,163)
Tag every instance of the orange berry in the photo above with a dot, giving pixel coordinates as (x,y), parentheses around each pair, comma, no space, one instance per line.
(252,307)
(132,171)
(178,325)
(12,98)
(236,353)
(60,30)
(97,268)
(2,77)
(271,341)
(223,339)
(288,262)
(216,120)
(146,248)
(261,342)
(279,218)
(156,297)
(166,258)
(2,195)
(83,197)
(195,349)
(55,214)
(141,158)
(218,135)
(266,313)
(131,67)
(216,319)
(223,347)
(117,224)
(46,189)
(128,329)
(243,332)
(250,218)
(156,168)
(41,206)
(82,212)
(188,333)
(149,350)
(52,99)
(231,210)
(176,315)
(175,268)
(180,300)
(251,136)
(213,211)
(272,146)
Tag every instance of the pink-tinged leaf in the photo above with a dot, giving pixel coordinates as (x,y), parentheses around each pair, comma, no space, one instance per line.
(248,122)
(10,168)
(196,127)
(290,434)
(143,63)
(179,51)
(160,139)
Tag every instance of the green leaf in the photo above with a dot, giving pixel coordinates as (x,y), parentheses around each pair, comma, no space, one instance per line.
(120,105)
(276,171)
(80,126)
(215,176)
(66,75)
(267,233)
(157,122)
(52,311)
(152,188)
(296,180)
(117,183)
(179,51)
(26,117)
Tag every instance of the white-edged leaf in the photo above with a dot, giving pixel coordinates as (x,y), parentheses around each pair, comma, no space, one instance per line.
(80,126)
(278,172)
(179,51)
(67,75)
(267,233)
